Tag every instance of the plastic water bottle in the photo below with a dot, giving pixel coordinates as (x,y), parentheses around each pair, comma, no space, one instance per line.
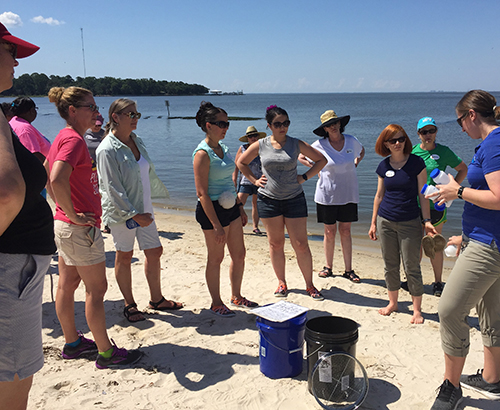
(439,177)
(451,251)
(131,223)
(432,190)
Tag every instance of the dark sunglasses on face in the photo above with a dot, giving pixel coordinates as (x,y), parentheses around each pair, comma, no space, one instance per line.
(425,132)
(11,48)
(91,107)
(132,115)
(460,119)
(278,124)
(220,124)
(394,140)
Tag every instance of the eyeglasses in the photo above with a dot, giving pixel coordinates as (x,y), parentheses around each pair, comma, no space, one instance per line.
(11,48)
(132,115)
(220,124)
(425,132)
(91,107)
(278,124)
(333,124)
(394,140)
(460,119)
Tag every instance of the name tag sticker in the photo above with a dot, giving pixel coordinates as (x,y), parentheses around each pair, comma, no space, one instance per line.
(435,157)
(390,173)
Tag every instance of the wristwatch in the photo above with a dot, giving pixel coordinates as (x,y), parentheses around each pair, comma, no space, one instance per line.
(304,176)
(460,192)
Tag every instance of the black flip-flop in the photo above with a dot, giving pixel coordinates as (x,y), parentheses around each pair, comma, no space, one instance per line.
(325,272)
(156,305)
(351,276)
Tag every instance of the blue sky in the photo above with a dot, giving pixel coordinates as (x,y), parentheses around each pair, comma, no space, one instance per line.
(269,46)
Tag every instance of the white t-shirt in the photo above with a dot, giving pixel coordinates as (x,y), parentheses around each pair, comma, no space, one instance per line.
(146,186)
(338,182)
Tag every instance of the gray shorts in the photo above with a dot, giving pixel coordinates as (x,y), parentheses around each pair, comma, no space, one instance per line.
(21,289)
(474,281)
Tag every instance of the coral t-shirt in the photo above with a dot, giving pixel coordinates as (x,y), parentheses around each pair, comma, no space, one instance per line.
(70,147)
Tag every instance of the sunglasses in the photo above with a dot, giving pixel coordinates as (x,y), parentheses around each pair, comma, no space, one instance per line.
(11,48)
(393,141)
(459,120)
(278,124)
(132,115)
(425,132)
(91,107)
(253,136)
(220,124)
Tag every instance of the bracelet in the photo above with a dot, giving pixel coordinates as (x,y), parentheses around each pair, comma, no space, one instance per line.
(460,192)
(426,220)
(304,176)
(240,204)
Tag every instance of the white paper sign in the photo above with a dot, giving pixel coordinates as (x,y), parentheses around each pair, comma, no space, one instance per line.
(279,312)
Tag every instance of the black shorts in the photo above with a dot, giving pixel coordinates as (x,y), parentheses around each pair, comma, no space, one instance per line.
(226,216)
(330,214)
(288,208)
(437,217)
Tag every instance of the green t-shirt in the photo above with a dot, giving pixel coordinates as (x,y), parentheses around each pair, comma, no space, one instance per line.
(440,157)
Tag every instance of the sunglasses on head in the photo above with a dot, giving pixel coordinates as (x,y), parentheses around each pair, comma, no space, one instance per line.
(132,115)
(278,124)
(460,119)
(425,132)
(394,140)
(91,107)
(220,124)
(11,48)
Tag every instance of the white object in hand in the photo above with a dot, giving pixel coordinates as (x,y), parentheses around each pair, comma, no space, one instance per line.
(432,190)
(451,251)
(439,177)
(227,199)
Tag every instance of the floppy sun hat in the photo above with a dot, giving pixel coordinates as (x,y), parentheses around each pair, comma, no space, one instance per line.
(252,131)
(24,49)
(424,122)
(328,118)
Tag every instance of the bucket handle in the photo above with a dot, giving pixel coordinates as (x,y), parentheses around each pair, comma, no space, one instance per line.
(298,349)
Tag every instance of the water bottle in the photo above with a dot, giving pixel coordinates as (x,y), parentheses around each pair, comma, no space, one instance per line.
(451,251)
(439,177)
(131,223)
(432,190)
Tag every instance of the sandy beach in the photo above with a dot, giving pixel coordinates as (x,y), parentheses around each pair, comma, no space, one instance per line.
(195,360)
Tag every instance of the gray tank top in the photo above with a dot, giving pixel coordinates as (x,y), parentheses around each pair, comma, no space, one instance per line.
(280,168)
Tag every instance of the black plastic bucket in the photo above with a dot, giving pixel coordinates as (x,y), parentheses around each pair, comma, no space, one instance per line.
(327,334)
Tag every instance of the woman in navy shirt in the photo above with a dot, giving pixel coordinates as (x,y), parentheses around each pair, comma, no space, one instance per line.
(396,216)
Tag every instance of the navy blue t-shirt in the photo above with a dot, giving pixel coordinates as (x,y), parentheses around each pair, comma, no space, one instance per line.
(401,189)
(478,223)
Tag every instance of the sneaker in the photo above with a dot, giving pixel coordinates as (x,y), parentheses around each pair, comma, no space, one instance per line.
(449,397)
(119,358)
(437,288)
(222,310)
(244,302)
(404,286)
(281,292)
(477,383)
(86,346)
(314,293)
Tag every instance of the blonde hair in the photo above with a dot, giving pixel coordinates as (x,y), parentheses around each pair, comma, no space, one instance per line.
(116,107)
(63,98)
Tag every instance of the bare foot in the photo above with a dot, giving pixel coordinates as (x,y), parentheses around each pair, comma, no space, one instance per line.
(417,319)
(388,309)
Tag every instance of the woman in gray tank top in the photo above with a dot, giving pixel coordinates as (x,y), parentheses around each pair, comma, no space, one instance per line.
(281,202)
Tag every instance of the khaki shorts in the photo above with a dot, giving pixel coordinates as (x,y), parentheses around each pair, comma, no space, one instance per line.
(79,245)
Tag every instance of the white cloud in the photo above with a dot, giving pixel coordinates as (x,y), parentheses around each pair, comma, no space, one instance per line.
(10,19)
(49,20)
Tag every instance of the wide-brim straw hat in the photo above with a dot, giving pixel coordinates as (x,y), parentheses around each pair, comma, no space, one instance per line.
(24,49)
(251,131)
(327,118)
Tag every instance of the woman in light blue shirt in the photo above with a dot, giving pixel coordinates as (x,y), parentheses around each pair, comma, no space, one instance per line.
(127,183)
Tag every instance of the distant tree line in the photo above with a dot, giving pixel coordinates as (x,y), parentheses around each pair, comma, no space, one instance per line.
(40,84)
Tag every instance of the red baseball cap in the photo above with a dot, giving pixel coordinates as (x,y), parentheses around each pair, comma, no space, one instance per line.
(24,49)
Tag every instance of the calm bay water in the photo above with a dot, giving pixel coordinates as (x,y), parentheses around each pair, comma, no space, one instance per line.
(171,142)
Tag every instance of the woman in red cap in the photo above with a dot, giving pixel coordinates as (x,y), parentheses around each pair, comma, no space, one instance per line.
(26,246)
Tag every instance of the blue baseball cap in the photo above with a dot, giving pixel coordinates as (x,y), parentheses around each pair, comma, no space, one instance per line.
(423,122)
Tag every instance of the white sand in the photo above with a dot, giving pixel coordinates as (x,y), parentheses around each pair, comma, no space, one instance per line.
(195,360)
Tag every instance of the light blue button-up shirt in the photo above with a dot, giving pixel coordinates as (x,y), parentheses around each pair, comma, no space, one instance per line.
(120,182)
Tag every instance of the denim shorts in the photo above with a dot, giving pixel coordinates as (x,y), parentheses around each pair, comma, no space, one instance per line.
(248,189)
(124,238)
(226,216)
(288,208)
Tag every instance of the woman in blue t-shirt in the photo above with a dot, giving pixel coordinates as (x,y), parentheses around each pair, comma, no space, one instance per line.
(219,213)
(396,216)
(475,278)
